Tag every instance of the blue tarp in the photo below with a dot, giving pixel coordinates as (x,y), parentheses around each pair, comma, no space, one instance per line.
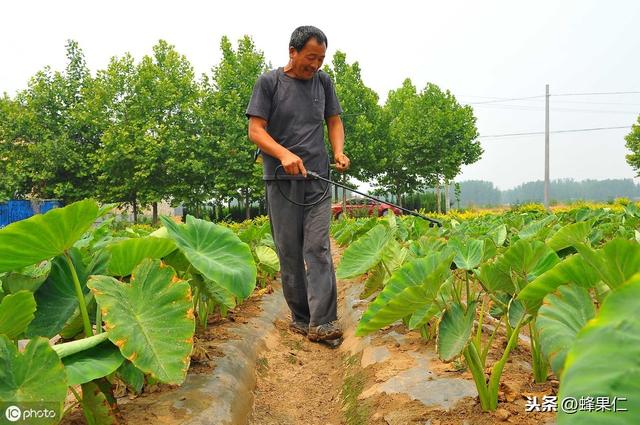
(16,210)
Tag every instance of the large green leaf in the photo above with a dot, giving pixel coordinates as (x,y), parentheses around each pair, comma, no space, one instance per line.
(93,363)
(573,269)
(96,407)
(150,319)
(569,235)
(212,290)
(35,375)
(217,253)
(393,255)
(495,276)
(536,229)
(422,315)
(426,245)
(411,287)
(131,376)
(530,258)
(28,278)
(375,281)
(127,254)
(604,361)
(616,262)
(268,259)
(454,330)
(363,254)
(560,319)
(16,312)
(56,298)
(498,234)
(42,237)
(468,253)
(520,264)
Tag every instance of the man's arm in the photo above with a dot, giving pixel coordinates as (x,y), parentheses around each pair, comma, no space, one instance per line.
(291,162)
(336,137)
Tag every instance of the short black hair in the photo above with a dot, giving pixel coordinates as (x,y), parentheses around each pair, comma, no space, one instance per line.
(301,35)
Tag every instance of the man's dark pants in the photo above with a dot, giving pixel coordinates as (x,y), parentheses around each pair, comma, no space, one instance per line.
(301,235)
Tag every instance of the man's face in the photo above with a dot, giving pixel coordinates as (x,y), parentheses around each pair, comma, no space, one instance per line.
(307,61)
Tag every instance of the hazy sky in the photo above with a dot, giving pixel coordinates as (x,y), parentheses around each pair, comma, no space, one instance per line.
(479,50)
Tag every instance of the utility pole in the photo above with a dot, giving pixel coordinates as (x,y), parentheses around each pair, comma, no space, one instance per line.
(546,149)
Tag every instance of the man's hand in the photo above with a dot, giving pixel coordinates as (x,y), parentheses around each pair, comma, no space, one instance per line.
(292,164)
(342,162)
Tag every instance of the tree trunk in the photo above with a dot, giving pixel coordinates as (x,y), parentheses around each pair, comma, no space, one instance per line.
(446,197)
(438,206)
(247,201)
(135,210)
(154,214)
(399,198)
(344,203)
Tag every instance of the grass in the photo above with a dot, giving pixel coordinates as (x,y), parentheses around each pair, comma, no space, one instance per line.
(355,411)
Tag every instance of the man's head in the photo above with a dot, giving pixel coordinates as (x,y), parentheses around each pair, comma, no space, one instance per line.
(307,49)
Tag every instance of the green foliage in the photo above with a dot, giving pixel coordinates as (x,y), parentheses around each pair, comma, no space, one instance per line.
(633,144)
(605,360)
(42,237)
(364,253)
(454,330)
(16,312)
(150,319)
(127,254)
(217,253)
(35,375)
(94,363)
(560,319)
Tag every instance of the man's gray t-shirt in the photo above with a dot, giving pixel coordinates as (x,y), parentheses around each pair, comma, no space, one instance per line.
(295,111)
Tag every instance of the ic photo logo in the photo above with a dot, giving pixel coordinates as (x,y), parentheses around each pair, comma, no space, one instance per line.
(13,413)
(39,414)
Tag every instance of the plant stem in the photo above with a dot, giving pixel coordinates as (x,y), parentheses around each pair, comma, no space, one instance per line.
(466,275)
(385,267)
(539,362)
(496,372)
(80,295)
(73,347)
(76,395)
(485,351)
(477,371)
(98,320)
(480,319)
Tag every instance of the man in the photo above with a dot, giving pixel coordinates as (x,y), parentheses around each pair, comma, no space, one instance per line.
(287,112)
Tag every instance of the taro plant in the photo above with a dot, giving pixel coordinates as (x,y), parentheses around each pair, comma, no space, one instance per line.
(125,311)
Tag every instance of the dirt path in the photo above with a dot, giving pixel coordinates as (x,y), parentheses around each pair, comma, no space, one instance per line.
(298,382)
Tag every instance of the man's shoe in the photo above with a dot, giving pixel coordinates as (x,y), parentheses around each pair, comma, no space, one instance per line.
(299,327)
(325,332)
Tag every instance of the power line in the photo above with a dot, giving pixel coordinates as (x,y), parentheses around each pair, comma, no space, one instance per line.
(497,100)
(539,97)
(541,108)
(556,131)
(596,93)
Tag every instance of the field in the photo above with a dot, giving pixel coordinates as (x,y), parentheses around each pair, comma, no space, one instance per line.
(519,316)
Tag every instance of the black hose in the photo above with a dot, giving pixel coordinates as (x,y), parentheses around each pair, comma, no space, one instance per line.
(331,182)
(322,198)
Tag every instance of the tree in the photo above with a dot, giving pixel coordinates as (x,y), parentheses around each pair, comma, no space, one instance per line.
(228,94)
(395,175)
(147,145)
(437,136)
(361,118)
(45,138)
(633,144)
